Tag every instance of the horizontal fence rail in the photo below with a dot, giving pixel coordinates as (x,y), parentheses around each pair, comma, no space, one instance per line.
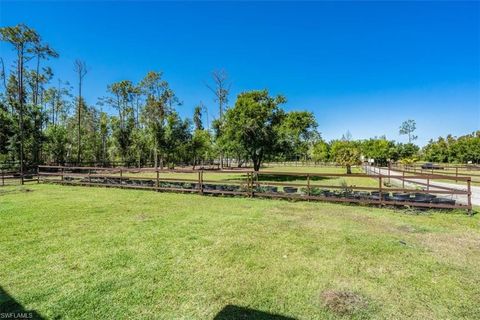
(12,177)
(361,188)
(429,182)
(457,172)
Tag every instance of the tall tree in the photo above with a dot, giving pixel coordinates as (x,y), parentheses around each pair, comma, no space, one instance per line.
(220,89)
(253,123)
(123,100)
(408,128)
(80,68)
(197,117)
(160,103)
(40,51)
(23,39)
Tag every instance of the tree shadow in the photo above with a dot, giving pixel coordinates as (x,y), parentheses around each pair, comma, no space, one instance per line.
(231,312)
(12,309)
(286,178)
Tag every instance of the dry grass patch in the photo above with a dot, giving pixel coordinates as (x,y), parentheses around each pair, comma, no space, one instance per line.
(344,302)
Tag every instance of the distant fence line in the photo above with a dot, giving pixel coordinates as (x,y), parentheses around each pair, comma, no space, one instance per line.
(444,166)
(228,163)
(265,184)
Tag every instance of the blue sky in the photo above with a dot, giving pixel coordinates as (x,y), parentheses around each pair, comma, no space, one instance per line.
(363,67)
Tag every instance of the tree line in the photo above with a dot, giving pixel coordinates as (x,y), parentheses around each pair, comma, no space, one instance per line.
(46,121)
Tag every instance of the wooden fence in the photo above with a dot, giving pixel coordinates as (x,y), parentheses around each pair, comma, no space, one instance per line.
(12,177)
(454,172)
(267,184)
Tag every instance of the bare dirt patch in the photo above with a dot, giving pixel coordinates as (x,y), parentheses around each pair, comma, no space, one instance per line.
(343,302)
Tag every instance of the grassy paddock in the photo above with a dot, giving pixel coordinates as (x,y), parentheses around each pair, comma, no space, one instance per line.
(235,177)
(79,252)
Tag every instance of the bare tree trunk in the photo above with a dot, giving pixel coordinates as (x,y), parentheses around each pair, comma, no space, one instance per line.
(155,154)
(20,100)
(35,95)
(103,150)
(79,119)
(81,68)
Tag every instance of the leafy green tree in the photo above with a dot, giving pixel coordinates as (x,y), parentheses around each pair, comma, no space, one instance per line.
(6,128)
(379,149)
(320,151)
(121,99)
(463,149)
(406,150)
(197,117)
(253,123)
(296,133)
(55,147)
(436,151)
(201,146)
(160,103)
(346,153)
(177,139)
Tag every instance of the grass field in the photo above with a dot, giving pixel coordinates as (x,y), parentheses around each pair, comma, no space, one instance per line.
(239,176)
(94,253)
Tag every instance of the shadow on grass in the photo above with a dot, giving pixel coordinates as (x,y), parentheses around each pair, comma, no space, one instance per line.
(275,178)
(12,309)
(230,312)
(286,178)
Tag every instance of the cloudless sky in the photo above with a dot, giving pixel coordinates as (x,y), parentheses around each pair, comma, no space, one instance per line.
(359,66)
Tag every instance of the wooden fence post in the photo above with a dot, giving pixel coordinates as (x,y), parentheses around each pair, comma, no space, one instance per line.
(308,185)
(403,180)
(380,189)
(251,185)
(3,177)
(121,178)
(469,196)
(389,173)
(63,173)
(158,182)
(38,174)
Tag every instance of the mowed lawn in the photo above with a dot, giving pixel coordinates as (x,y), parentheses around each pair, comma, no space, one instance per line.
(96,253)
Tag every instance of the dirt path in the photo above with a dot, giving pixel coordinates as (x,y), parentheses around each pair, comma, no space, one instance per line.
(460,198)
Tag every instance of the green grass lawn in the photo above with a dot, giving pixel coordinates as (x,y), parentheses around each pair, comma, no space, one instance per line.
(95,253)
